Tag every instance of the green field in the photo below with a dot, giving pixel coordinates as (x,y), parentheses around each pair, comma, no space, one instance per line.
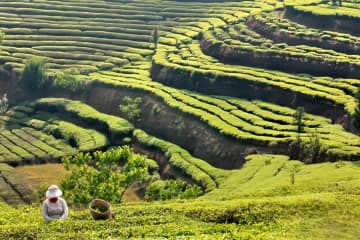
(253,102)
(321,203)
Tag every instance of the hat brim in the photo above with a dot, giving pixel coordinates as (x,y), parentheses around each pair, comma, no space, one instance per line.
(52,193)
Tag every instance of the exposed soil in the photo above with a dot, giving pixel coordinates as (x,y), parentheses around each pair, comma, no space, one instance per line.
(9,84)
(8,81)
(345,24)
(278,36)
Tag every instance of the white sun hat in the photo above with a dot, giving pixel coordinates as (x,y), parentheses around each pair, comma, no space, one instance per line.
(53,191)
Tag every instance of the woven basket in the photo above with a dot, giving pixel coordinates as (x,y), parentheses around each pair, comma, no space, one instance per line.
(100,203)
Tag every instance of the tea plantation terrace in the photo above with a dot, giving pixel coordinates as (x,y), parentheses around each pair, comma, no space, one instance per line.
(92,36)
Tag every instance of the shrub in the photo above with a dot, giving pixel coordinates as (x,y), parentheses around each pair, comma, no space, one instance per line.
(131,108)
(172,189)
(313,148)
(296,149)
(100,176)
(67,80)
(34,75)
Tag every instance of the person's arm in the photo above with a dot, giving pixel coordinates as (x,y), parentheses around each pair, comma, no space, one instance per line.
(45,213)
(65,208)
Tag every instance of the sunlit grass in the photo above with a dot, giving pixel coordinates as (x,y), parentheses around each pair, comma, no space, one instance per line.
(41,175)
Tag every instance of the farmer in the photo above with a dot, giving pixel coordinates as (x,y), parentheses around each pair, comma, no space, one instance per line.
(54,207)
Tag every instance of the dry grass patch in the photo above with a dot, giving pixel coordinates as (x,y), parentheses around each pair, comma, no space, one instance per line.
(41,175)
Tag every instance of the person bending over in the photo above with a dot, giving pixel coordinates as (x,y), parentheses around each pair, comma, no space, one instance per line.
(54,207)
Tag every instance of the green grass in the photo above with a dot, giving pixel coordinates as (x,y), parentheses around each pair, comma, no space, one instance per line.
(316,211)
(274,175)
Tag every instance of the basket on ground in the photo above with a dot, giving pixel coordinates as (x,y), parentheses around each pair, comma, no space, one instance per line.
(100,209)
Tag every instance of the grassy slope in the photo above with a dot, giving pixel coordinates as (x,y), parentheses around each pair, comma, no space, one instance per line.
(273,175)
(317,216)
(41,175)
(252,203)
(268,176)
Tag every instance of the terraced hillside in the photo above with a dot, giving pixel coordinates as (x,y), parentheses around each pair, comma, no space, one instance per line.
(92,36)
(241,45)
(344,17)
(228,92)
(56,127)
(326,208)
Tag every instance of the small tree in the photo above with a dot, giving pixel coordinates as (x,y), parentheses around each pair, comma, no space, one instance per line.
(313,148)
(298,121)
(34,76)
(101,176)
(155,36)
(171,189)
(4,104)
(131,108)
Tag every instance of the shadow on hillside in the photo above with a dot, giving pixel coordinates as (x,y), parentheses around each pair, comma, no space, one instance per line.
(357,163)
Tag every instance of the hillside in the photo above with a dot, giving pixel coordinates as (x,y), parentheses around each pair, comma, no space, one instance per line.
(256,102)
(316,206)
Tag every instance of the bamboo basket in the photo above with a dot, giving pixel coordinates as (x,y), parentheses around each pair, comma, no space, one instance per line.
(97,214)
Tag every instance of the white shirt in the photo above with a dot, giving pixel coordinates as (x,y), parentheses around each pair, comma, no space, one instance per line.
(57,210)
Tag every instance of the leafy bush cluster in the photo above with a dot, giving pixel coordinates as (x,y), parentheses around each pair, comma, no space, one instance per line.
(67,79)
(103,175)
(34,75)
(310,151)
(131,107)
(172,189)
